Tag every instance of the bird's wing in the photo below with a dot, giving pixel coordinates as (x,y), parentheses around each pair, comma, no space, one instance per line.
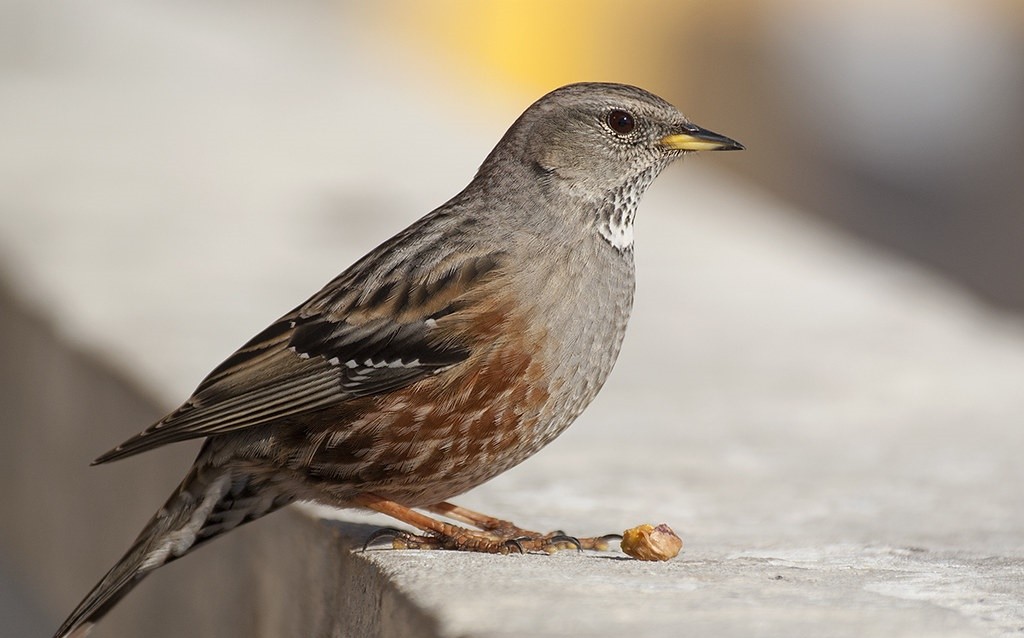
(348,341)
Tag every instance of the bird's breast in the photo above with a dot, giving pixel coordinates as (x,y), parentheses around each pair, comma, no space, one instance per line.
(542,345)
(587,306)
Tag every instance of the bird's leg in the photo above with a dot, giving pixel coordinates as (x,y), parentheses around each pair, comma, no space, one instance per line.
(437,534)
(497,536)
(507,529)
(479,520)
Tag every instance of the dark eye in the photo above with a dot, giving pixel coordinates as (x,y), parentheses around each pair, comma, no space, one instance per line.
(621,122)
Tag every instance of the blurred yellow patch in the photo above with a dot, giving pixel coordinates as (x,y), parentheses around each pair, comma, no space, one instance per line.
(540,45)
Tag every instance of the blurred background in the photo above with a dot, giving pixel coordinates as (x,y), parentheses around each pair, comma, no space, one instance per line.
(898,122)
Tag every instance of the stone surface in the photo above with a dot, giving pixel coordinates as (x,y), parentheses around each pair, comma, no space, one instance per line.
(835,435)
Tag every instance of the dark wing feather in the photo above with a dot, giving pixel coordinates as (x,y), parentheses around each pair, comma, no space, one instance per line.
(377,356)
(338,346)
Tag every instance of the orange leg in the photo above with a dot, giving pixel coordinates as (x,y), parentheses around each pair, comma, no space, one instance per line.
(476,519)
(497,536)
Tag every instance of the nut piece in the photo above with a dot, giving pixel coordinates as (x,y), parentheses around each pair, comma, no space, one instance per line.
(647,542)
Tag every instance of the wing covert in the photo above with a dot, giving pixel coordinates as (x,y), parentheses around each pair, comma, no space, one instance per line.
(318,355)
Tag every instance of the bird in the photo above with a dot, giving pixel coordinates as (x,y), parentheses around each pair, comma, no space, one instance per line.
(445,356)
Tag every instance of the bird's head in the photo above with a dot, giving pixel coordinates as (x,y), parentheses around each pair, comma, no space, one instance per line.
(593,138)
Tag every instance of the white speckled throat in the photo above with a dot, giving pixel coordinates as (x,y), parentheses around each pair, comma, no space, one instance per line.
(615,218)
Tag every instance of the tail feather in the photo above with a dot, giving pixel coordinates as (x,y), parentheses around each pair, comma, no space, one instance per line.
(208,503)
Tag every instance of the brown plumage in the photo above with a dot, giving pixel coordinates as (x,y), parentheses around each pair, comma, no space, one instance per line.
(447,355)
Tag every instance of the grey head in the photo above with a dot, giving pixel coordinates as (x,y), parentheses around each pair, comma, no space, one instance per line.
(596,147)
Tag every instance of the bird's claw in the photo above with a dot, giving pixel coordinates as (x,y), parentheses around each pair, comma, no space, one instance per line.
(489,543)
(558,540)
(601,543)
(401,539)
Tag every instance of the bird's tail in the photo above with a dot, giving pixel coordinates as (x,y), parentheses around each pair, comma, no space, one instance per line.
(209,502)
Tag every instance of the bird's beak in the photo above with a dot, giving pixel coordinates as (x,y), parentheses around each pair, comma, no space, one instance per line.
(698,139)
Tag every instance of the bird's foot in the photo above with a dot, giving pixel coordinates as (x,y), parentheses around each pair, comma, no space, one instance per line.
(557,539)
(460,539)
(495,536)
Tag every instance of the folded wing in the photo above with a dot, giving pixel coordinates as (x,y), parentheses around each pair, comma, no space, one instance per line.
(339,345)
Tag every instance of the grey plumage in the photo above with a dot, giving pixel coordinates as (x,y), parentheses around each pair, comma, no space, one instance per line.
(445,356)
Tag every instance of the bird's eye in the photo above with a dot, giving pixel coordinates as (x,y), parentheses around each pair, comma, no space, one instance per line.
(621,122)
